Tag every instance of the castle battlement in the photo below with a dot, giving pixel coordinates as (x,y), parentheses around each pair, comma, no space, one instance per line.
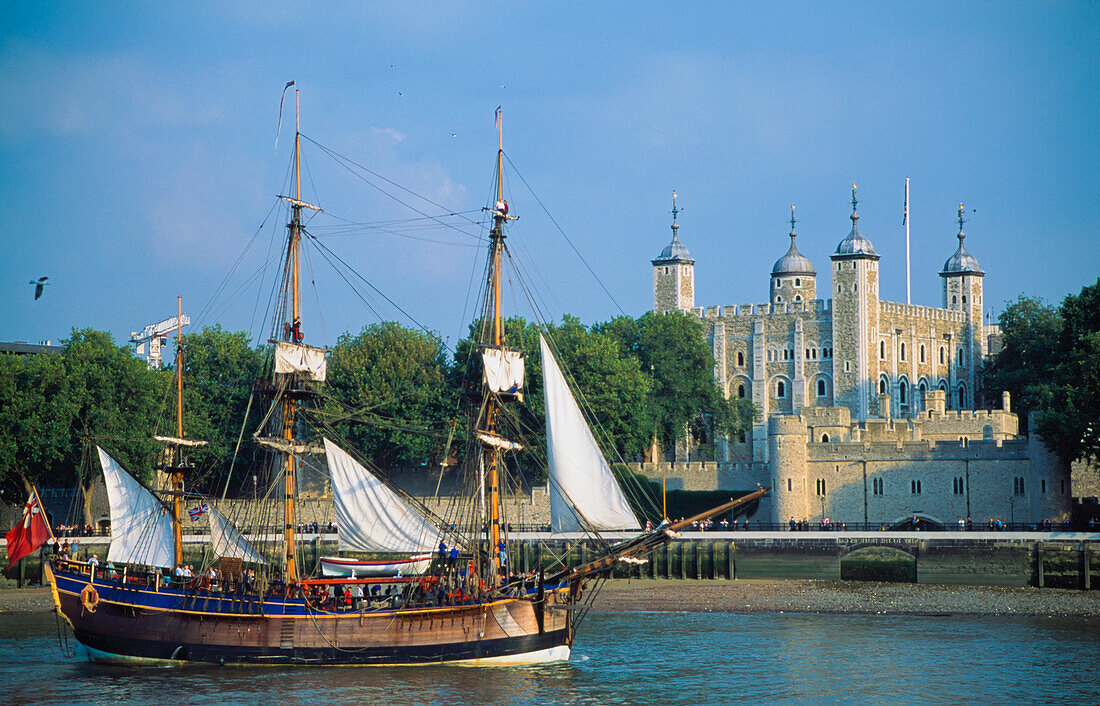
(733,311)
(918,451)
(924,312)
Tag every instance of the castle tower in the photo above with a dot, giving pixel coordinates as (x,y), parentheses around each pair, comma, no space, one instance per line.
(962,291)
(855,321)
(787,456)
(673,273)
(793,277)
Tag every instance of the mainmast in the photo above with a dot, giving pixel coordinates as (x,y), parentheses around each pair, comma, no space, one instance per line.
(290,392)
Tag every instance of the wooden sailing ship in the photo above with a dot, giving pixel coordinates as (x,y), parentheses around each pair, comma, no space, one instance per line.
(263,608)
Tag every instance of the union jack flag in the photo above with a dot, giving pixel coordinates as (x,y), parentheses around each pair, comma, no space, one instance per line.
(197,512)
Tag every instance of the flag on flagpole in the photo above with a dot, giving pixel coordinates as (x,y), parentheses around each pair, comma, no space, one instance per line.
(196,512)
(279,129)
(29,532)
(905,214)
(496,116)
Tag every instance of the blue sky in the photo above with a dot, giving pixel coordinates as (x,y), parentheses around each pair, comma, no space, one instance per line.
(138,160)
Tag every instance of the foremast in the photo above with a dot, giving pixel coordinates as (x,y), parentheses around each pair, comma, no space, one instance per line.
(493,336)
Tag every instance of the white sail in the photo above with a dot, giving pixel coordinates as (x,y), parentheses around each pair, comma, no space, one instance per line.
(370,516)
(503,369)
(299,358)
(226,540)
(141,527)
(583,490)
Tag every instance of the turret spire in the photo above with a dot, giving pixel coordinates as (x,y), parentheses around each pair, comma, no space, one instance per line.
(675,212)
(855,202)
(961,221)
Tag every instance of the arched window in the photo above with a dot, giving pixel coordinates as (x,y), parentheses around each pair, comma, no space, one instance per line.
(882,350)
(962,357)
(901,352)
(797,282)
(954,299)
(778,300)
(779,284)
(903,392)
(964,299)
(962,396)
(920,394)
(855,287)
(922,352)
(798,297)
(784,354)
(883,385)
(780,389)
(740,359)
(741,391)
(824,438)
(821,387)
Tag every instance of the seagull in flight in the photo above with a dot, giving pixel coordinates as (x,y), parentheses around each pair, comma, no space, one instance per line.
(39,285)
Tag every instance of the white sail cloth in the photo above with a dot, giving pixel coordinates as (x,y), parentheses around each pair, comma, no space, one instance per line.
(584,494)
(226,540)
(503,369)
(370,516)
(141,526)
(298,358)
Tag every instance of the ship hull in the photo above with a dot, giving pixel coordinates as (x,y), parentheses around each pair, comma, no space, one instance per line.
(138,625)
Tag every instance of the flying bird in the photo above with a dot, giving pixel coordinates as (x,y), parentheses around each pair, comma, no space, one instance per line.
(454,134)
(39,285)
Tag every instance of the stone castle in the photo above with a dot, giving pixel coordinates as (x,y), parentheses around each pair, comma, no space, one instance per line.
(867,407)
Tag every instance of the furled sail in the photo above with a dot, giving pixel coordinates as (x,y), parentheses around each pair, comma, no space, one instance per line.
(583,492)
(226,540)
(141,527)
(503,369)
(298,358)
(370,516)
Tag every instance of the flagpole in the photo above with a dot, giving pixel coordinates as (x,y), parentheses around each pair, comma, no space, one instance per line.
(42,509)
(908,292)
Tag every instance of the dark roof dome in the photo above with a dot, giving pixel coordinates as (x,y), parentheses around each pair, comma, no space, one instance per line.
(961,261)
(855,244)
(794,262)
(675,251)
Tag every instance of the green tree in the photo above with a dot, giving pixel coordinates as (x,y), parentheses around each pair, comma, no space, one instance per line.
(1050,362)
(220,369)
(391,394)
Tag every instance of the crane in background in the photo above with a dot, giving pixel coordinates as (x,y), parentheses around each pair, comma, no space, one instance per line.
(155,335)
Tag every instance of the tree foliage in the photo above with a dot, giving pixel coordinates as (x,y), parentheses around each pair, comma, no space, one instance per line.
(1050,363)
(392,397)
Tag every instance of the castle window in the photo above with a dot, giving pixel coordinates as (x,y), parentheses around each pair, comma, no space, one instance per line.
(821,487)
(666,270)
(920,394)
(882,350)
(901,352)
(808,354)
(741,391)
(922,352)
(798,298)
(838,289)
(903,392)
(740,359)
(855,287)
(741,436)
(962,357)
(847,366)
(780,389)
(771,355)
(943,355)
(778,300)
(797,282)
(788,484)
(824,438)
(821,387)
(964,299)
(914,487)
(1043,486)
(962,396)
(954,299)
(957,486)
(876,486)
(1018,485)
(785,354)
(882,385)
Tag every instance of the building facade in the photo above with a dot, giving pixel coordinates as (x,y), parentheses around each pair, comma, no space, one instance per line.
(867,407)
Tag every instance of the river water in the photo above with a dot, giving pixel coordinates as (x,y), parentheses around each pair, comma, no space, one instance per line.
(632,658)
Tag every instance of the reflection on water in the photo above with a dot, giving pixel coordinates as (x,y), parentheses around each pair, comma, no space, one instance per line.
(634,658)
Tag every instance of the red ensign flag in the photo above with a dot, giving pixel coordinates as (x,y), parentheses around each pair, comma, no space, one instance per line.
(29,532)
